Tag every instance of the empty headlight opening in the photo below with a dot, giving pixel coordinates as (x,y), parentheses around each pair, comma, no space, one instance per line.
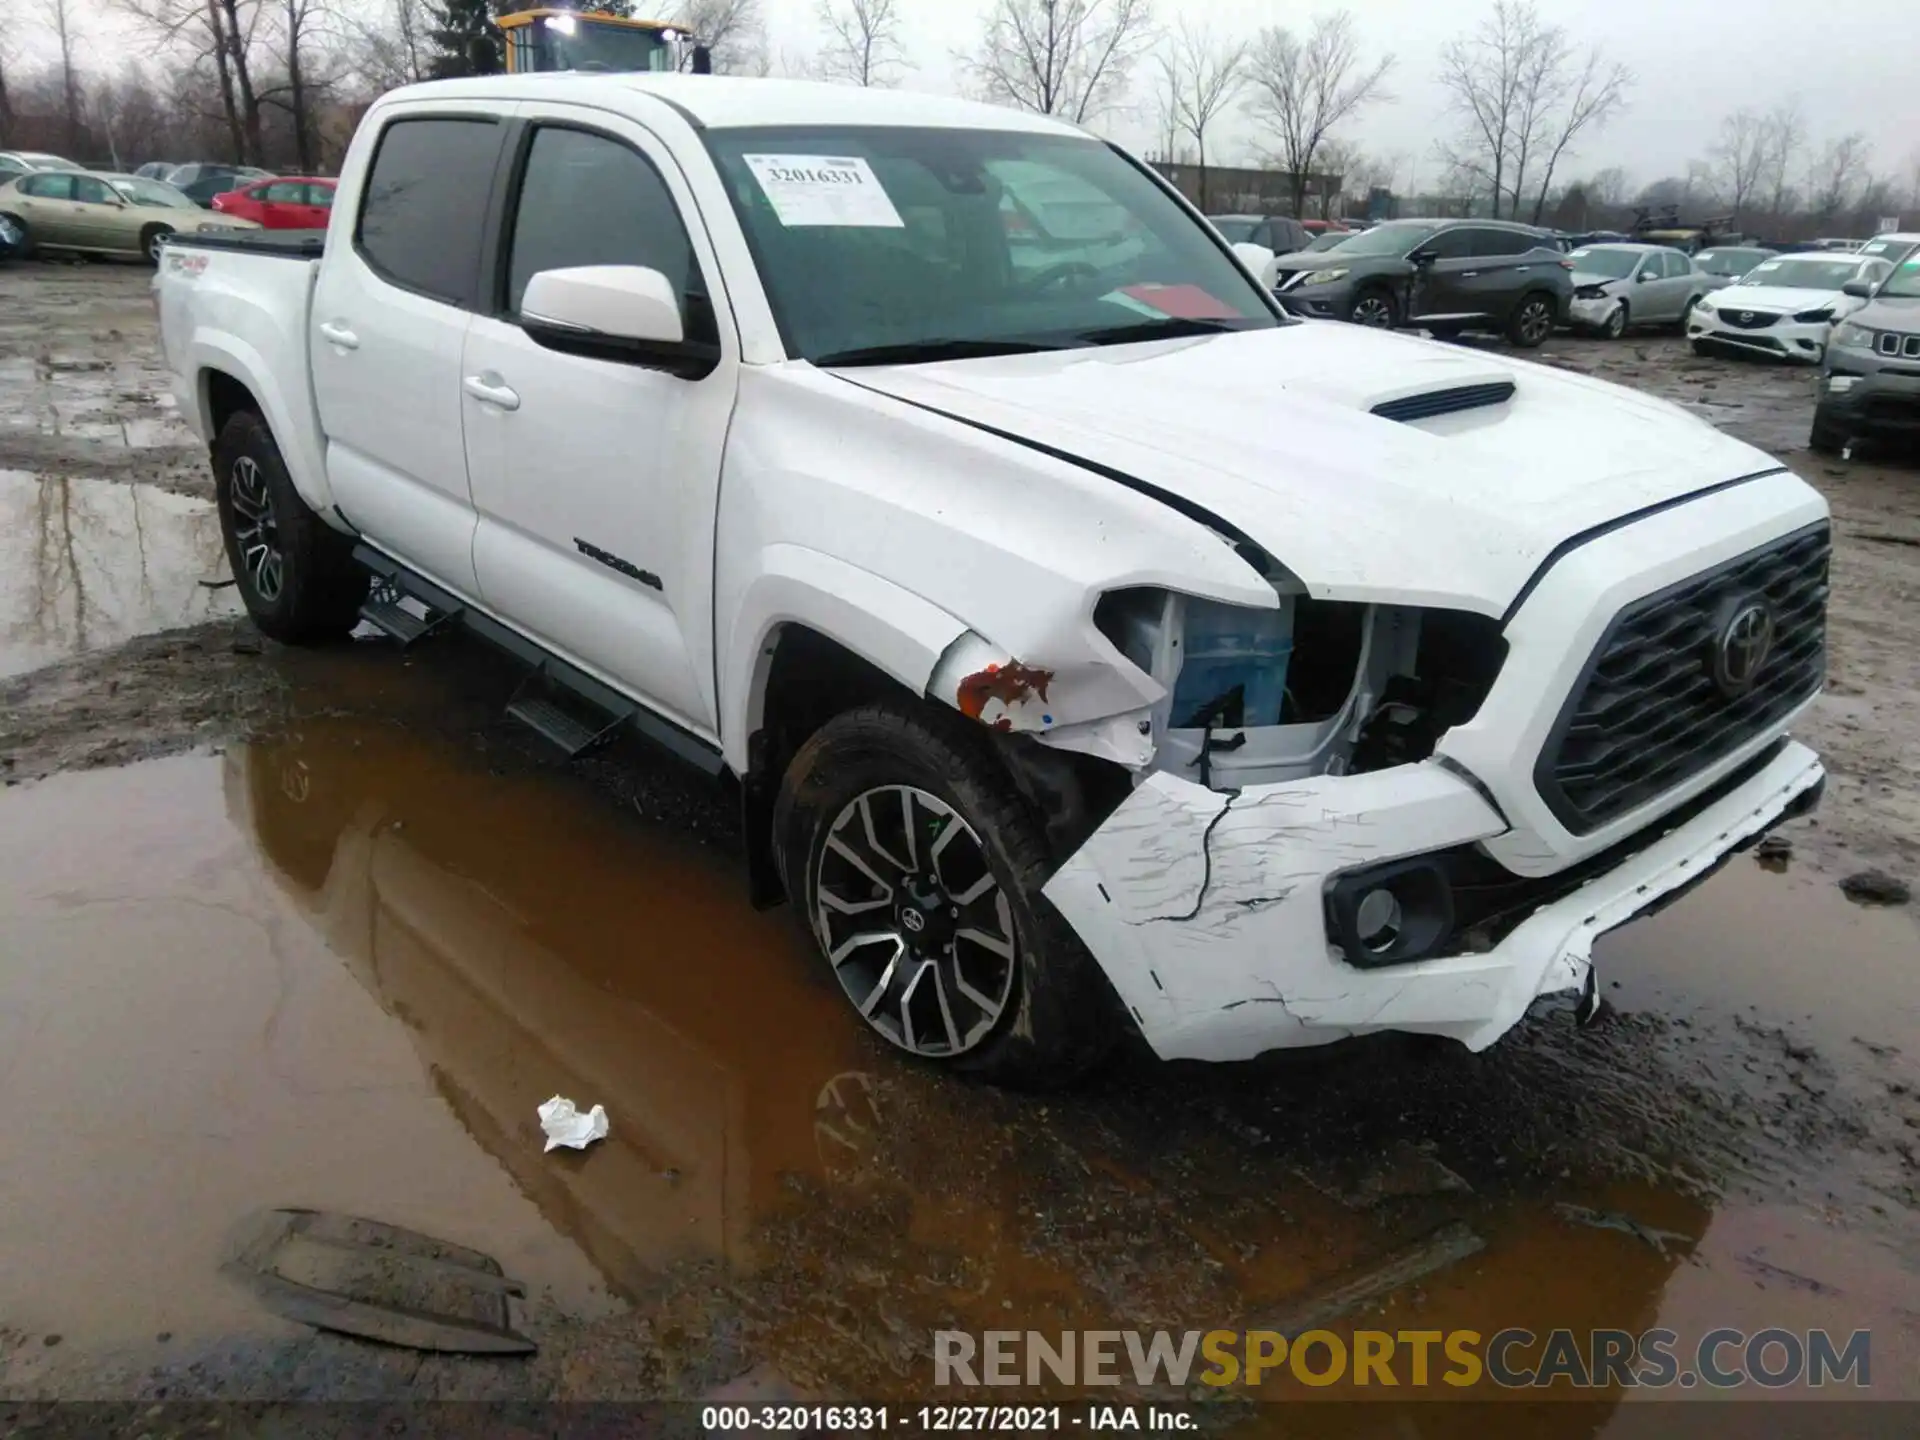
(1316,687)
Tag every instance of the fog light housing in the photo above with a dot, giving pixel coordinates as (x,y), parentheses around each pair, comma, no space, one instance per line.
(1840,384)
(1390,914)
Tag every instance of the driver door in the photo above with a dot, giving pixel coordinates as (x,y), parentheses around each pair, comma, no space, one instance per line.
(597,480)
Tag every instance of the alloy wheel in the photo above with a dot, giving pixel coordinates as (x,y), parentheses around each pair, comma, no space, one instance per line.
(1536,321)
(916,927)
(1617,322)
(1373,311)
(255,531)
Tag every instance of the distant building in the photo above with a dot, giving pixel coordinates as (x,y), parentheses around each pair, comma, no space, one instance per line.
(1232,190)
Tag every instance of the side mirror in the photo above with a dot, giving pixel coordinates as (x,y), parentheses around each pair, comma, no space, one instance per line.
(703,59)
(1644,276)
(1859,289)
(1423,258)
(625,313)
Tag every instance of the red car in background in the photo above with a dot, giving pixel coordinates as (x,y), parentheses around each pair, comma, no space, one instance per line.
(287,202)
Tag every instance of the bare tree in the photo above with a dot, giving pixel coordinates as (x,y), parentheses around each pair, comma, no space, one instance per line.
(1202,75)
(1786,134)
(732,29)
(1484,74)
(1071,58)
(1303,87)
(298,22)
(397,47)
(863,42)
(1584,99)
(1525,93)
(1836,174)
(1739,158)
(60,21)
(221,31)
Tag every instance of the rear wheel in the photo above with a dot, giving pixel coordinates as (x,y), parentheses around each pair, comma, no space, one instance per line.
(915,866)
(295,573)
(1531,322)
(153,240)
(1374,307)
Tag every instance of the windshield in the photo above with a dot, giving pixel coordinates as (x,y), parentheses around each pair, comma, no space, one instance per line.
(1603,260)
(887,243)
(1888,249)
(1237,231)
(153,193)
(566,42)
(1903,284)
(1328,241)
(1385,239)
(1798,273)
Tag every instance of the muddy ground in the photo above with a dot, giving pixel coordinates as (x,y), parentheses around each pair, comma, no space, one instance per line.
(285,929)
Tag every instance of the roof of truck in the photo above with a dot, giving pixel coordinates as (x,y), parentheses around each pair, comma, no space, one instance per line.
(734,102)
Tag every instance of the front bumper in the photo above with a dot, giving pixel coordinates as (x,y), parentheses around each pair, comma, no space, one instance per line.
(1332,301)
(1785,339)
(1592,313)
(1869,394)
(1207,910)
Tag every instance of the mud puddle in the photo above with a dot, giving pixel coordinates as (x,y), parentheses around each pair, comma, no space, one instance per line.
(341,968)
(86,564)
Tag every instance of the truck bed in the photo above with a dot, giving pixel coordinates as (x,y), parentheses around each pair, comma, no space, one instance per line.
(288,244)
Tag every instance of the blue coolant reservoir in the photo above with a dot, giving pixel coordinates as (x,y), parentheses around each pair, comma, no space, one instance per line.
(1225,646)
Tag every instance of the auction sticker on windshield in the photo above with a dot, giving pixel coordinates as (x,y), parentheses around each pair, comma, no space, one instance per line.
(823,190)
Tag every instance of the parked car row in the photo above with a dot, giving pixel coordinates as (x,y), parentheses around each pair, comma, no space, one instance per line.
(82,212)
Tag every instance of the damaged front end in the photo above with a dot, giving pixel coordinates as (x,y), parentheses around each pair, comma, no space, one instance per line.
(1289,857)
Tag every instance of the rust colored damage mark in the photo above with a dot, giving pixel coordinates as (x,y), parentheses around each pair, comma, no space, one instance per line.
(1009,684)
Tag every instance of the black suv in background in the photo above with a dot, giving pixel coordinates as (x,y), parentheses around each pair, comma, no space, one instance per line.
(200,183)
(1441,275)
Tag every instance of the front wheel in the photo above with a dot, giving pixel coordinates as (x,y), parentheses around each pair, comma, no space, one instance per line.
(295,573)
(1616,325)
(1826,438)
(916,866)
(1531,322)
(1375,309)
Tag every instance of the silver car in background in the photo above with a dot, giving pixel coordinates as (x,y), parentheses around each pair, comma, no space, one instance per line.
(1725,265)
(1615,286)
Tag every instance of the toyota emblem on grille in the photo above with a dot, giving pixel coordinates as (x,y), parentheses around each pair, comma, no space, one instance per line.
(1741,647)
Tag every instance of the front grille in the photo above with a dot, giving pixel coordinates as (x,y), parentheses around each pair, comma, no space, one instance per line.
(1748,319)
(1445,402)
(1648,713)
(1907,345)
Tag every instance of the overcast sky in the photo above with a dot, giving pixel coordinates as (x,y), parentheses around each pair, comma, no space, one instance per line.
(1854,65)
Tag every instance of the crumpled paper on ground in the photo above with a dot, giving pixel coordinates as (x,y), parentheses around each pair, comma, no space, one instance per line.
(565,1125)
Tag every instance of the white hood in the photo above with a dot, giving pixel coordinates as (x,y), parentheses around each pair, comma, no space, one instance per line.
(1270,432)
(1779,299)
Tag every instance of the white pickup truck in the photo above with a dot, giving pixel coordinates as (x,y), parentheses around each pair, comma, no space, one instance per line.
(1091,646)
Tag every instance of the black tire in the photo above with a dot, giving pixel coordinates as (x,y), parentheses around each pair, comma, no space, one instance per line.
(1374,307)
(295,573)
(1686,313)
(151,240)
(1446,333)
(1531,321)
(1826,438)
(1617,322)
(25,250)
(1058,1016)
(1701,347)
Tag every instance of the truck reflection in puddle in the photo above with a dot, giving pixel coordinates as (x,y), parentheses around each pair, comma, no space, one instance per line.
(536,945)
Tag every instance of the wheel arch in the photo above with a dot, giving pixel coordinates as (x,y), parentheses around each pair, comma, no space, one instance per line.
(230,376)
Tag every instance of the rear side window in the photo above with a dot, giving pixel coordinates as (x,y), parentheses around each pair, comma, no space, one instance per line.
(1678,265)
(589,200)
(283,192)
(1509,242)
(49,187)
(424,209)
(321,195)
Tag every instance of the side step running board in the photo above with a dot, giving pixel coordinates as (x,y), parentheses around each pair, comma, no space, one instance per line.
(386,614)
(559,701)
(560,726)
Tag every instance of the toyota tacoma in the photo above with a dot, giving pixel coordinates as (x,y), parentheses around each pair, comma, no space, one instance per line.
(1091,647)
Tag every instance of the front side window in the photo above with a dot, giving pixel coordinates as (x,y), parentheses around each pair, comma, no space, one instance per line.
(586,199)
(282,192)
(89,191)
(321,195)
(879,242)
(425,204)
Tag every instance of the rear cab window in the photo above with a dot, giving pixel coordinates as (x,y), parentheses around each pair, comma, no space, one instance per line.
(423,212)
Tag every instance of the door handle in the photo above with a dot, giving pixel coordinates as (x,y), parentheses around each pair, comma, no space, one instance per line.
(1469,274)
(335,333)
(500,395)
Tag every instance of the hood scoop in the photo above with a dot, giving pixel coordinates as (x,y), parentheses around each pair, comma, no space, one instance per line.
(1444,402)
